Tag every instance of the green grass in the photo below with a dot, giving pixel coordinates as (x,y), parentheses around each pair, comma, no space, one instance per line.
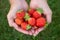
(52,32)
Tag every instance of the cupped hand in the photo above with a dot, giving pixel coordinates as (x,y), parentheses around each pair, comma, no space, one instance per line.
(46,10)
(15,6)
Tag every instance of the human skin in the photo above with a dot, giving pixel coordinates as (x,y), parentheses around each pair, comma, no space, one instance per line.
(15,6)
(22,4)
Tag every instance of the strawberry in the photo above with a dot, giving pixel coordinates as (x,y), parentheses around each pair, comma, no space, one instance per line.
(20,14)
(37,13)
(18,21)
(31,11)
(40,22)
(25,26)
(31,21)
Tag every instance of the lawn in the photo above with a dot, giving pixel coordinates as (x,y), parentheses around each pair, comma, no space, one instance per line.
(52,32)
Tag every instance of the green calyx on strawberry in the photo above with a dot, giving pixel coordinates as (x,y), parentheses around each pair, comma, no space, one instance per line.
(28,27)
(37,13)
(26,16)
(40,10)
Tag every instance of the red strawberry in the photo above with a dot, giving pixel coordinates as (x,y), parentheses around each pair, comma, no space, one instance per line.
(18,21)
(37,13)
(41,22)
(31,11)
(20,14)
(31,21)
(25,26)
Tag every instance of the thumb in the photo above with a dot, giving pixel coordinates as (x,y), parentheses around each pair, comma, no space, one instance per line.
(49,18)
(48,14)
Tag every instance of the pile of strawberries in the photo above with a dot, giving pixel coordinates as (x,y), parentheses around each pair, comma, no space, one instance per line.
(32,18)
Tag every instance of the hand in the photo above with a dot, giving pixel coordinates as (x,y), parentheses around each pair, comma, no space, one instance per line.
(15,6)
(47,11)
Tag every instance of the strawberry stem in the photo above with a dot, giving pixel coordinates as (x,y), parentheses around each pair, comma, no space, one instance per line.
(28,27)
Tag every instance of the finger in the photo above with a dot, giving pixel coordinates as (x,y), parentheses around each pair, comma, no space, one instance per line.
(31,31)
(37,31)
(49,18)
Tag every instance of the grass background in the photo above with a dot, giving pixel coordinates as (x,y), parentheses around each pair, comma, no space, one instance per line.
(52,32)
